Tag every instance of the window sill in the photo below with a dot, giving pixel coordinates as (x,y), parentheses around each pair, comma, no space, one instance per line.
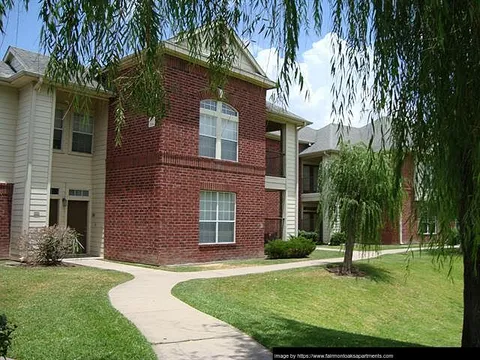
(216,159)
(216,245)
(80,154)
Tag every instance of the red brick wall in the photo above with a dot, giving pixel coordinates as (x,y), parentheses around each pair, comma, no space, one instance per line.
(6,191)
(390,234)
(154,179)
(274,157)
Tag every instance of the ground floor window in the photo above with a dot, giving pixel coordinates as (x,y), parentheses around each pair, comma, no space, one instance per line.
(427,225)
(217,217)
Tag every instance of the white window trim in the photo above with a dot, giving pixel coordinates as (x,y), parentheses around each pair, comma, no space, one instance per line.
(72,119)
(217,221)
(64,121)
(429,220)
(219,115)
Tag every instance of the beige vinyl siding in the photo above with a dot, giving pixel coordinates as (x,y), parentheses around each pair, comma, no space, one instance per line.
(80,171)
(98,179)
(20,206)
(41,142)
(275,183)
(291,192)
(8,127)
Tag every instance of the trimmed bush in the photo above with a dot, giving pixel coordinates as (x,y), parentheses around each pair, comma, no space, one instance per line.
(49,245)
(454,237)
(6,331)
(295,247)
(337,238)
(310,235)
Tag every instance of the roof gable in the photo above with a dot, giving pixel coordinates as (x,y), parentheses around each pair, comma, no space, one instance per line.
(244,59)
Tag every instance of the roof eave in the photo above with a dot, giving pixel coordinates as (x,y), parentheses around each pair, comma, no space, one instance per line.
(286,118)
(202,60)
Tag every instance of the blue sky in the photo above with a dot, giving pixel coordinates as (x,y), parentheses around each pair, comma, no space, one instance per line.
(23,30)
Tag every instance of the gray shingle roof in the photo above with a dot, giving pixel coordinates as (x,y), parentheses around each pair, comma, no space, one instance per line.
(282,111)
(327,138)
(31,61)
(5,70)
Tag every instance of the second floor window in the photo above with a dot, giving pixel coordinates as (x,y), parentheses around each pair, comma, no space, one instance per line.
(82,133)
(218,131)
(310,178)
(58,129)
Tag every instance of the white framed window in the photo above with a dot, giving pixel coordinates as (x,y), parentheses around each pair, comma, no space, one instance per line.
(217,217)
(58,129)
(218,130)
(427,225)
(82,133)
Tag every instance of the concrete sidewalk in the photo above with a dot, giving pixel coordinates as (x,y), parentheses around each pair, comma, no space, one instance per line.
(175,329)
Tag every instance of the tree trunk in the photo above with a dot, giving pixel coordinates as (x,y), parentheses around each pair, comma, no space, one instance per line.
(348,258)
(471,260)
(471,299)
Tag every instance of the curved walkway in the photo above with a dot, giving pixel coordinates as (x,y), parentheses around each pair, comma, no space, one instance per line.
(175,329)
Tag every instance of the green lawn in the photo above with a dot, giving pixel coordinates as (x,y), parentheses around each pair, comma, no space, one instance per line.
(380,247)
(64,313)
(312,307)
(230,264)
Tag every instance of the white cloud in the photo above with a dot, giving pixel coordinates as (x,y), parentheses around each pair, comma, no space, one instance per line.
(315,66)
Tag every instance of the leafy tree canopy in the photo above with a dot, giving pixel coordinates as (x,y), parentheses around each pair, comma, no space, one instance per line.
(415,61)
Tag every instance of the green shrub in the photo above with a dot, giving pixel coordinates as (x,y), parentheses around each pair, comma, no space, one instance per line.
(337,238)
(295,247)
(49,245)
(310,235)
(453,237)
(6,331)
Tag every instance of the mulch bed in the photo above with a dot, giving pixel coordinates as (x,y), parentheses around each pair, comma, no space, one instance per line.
(337,270)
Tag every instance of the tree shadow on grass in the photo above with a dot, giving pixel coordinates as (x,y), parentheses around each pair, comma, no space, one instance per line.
(375,273)
(363,270)
(282,332)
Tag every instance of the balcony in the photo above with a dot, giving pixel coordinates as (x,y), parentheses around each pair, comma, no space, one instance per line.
(273,229)
(275,163)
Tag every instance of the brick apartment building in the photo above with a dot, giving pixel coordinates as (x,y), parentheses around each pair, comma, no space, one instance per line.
(200,187)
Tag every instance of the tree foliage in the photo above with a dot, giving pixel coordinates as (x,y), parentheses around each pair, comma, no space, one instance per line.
(418,62)
(89,40)
(415,61)
(357,189)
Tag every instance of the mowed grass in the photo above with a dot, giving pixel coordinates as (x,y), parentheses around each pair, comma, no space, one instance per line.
(230,264)
(359,247)
(64,313)
(312,307)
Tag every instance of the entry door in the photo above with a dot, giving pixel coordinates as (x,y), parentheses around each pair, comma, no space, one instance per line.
(53,213)
(77,216)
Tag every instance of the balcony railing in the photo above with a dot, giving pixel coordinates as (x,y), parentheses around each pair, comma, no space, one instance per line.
(275,163)
(273,229)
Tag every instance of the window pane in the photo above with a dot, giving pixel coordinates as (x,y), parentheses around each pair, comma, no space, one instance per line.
(229,130)
(208,104)
(82,123)
(226,206)
(208,205)
(225,232)
(229,150)
(59,114)
(228,110)
(82,143)
(207,232)
(208,125)
(207,146)
(57,139)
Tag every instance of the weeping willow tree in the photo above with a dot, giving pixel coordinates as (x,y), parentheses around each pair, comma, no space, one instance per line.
(416,61)
(356,187)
